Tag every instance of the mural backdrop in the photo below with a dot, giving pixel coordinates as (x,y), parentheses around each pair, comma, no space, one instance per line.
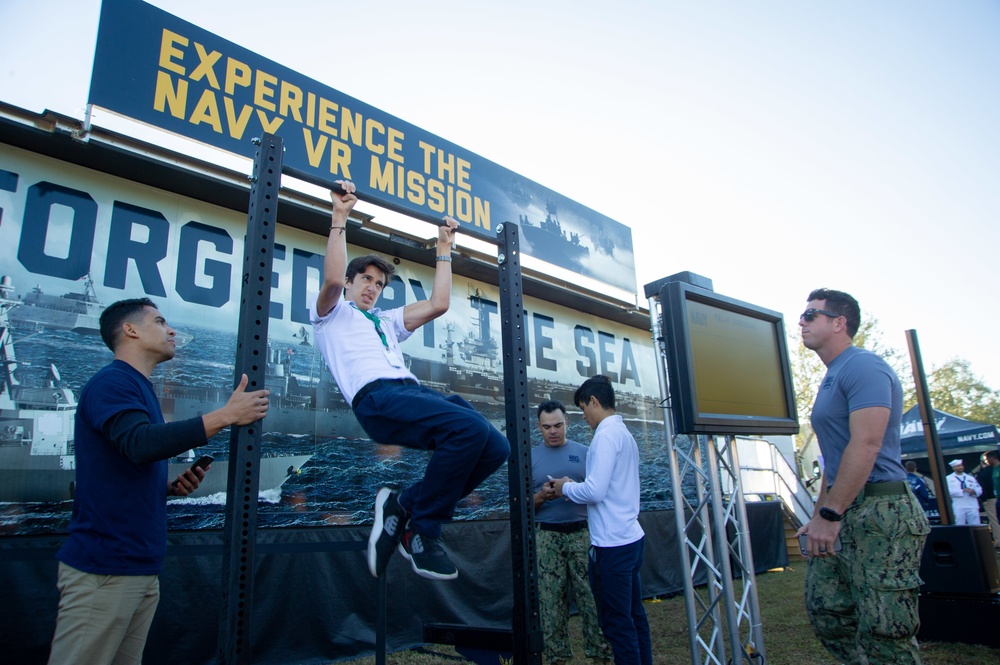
(78,240)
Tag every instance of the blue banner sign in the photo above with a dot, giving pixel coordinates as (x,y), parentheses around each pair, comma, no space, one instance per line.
(155,68)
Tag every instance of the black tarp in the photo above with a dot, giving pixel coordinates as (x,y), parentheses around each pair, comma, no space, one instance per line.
(957,435)
(315,600)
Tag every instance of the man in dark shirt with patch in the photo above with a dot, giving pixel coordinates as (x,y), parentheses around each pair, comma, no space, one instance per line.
(109,565)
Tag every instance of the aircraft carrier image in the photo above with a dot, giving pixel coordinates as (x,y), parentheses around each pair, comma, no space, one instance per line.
(79,312)
(37,411)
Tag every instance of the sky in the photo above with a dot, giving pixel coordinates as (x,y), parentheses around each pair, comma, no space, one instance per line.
(771,146)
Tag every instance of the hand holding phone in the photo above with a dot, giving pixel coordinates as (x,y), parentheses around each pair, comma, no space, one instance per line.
(200,463)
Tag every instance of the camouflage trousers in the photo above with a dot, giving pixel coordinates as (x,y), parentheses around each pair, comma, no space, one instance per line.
(863,602)
(562,565)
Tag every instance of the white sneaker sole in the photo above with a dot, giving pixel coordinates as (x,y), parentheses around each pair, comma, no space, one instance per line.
(377,528)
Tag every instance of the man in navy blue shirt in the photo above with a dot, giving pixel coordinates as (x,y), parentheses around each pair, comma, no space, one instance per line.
(919,487)
(109,565)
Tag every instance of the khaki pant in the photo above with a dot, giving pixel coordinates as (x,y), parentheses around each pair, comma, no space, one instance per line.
(103,619)
(990,508)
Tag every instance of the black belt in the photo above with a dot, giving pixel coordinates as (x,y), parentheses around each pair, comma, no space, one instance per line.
(882,489)
(369,388)
(565,527)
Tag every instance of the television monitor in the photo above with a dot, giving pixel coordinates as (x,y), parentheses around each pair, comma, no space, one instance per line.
(727,364)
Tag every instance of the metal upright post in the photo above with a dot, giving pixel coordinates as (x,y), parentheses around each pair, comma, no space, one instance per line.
(934,456)
(244,447)
(726,513)
(527,629)
(750,604)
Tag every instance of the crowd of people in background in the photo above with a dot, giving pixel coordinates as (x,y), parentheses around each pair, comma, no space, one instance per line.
(972,496)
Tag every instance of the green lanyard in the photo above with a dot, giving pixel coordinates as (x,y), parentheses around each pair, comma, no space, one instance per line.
(378,325)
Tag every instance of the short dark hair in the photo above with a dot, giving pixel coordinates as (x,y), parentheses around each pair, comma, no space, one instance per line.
(550,406)
(991,454)
(843,304)
(598,386)
(119,313)
(911,466)
(361,263)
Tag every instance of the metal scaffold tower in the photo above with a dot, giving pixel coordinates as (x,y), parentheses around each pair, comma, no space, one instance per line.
(724,624)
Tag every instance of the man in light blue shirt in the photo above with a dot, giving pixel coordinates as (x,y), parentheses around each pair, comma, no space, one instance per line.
(861,597)
(562,541)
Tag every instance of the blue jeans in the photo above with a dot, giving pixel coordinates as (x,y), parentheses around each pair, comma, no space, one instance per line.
(467,448)
(614,578)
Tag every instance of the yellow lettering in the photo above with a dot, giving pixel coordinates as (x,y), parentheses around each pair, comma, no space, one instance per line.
(168,52)
(261,91)
(291,101)
(340,159)
(372,126)
(206,66)
(270,126)
(435,195)
(237,74)
(311,109)
(482,214)
(314,149)
(463,174)
(350,126)
(400,181)
(327,116)
(166,94)
(236,125)
(207,111)
(428,150)
(463,206)
(446,165)
(415,193)
(395,143)
(382,180)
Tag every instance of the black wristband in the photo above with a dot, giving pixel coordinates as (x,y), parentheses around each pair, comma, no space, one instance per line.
(830,515)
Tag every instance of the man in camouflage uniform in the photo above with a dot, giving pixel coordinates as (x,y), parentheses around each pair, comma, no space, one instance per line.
(562,541)
(867,534)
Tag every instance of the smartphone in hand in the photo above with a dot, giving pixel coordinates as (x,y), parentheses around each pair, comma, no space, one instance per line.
(200,463)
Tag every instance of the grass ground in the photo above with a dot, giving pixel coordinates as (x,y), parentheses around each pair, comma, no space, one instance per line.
(788,637)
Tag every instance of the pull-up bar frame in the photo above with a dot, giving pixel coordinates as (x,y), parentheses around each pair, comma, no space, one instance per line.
(244,466)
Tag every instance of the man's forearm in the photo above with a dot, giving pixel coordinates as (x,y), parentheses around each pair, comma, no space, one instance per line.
(216,421)
(855,468)
(441,293)
(142,442)
(335,260)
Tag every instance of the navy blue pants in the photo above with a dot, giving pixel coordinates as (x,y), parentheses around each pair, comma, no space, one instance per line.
(614,579)
(467,448)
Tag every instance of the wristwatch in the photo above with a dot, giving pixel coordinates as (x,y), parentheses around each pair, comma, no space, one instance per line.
(830,515)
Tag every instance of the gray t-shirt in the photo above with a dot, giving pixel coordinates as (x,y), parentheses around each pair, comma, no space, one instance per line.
(568,460)
(858,379)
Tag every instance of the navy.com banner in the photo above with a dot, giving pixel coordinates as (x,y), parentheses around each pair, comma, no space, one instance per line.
(160,70)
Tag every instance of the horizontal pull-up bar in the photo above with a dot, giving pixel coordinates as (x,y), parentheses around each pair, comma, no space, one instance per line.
(396,206)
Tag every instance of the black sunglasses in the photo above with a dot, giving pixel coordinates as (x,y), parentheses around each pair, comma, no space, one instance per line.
(811,313)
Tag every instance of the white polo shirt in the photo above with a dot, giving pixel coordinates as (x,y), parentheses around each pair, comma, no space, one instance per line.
(352,348)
